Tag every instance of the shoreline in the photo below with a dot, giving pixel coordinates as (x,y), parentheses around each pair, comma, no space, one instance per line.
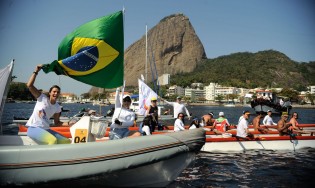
(248,105)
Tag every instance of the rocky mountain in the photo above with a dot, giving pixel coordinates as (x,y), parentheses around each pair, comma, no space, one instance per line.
(172,44)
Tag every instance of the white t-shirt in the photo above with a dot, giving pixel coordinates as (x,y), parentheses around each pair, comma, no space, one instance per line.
(268,121)
(179,125)
(126,117)
(241,128)
(42,112)
(193,126)
(178,108)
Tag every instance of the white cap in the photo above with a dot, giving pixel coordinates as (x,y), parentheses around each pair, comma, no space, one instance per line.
(221,114)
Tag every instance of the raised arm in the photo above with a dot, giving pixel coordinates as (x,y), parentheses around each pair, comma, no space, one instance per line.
(30,84)
(117,99)
(169,103)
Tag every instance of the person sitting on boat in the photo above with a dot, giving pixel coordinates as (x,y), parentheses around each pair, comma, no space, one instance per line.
(295,125)
(92,113)
(123,118)
(179,124)
(45,108)
(256,124)
(220,125)
(208,120)
(242,130)
(110,112)
(194,124)
(178,107)
(268,119)
(152,113)
(145,126)
(282,126)
(167,112)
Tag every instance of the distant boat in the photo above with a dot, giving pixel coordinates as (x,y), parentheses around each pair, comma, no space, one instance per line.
(276,104)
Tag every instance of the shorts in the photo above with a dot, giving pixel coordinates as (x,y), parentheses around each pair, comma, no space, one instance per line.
(118,133)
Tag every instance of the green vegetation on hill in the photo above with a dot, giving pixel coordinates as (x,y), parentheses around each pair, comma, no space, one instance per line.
(250,70)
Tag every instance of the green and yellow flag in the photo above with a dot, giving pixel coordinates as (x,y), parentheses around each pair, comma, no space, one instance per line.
(93,53)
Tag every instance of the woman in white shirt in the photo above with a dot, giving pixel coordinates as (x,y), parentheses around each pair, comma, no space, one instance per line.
(179,125)
(123,118)
(45,108)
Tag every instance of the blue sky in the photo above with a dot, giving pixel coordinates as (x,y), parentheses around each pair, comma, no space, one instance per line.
(31,30)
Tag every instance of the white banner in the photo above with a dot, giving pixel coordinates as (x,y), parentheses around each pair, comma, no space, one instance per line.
(145,95)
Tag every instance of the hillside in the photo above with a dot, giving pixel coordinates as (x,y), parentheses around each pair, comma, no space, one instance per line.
(249,70)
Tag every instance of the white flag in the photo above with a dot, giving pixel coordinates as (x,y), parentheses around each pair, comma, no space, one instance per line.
(145,95)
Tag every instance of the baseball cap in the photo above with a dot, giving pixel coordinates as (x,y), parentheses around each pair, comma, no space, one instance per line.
(285,114)
(221,114)
(127,98)
(153,99)
(179,97)
(269,111)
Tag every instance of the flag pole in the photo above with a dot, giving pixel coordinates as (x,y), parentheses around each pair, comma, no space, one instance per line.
(146,53)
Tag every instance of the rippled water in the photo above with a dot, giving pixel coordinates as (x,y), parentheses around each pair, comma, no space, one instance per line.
(246,169)
(250,169)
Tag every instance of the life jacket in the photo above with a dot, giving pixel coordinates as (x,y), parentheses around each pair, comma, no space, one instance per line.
(220,124)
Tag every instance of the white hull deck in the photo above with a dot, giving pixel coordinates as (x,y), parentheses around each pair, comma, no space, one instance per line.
(266,142)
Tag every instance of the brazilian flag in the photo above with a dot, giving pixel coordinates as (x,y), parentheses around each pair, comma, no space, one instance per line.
(93,53)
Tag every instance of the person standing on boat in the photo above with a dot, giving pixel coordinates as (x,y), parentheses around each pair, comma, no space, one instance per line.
(242,127)
(179,124)
(45,108)
(123,118)
(179,107)
(220,125)
(282,126)
(268,119)
(256,124)
(144,127)
(152,113)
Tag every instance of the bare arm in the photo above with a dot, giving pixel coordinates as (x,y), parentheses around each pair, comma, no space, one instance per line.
(30,84)
(282,126)
(58,122)
(147,111)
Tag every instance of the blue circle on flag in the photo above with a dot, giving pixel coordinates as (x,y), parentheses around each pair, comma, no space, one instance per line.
(84,60)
